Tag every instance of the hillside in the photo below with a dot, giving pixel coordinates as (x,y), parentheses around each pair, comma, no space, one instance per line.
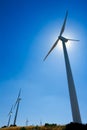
(71,126)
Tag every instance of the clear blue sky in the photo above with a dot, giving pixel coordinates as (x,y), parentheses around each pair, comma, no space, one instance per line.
(28,28)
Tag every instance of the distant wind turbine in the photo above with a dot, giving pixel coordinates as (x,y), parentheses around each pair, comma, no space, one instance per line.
(17,107)
(27,122)
(10,114)
(71,86)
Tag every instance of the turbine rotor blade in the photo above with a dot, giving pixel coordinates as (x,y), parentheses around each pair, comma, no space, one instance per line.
(51,49)
(15,104)
(64,23)
(19,93)
(10,111)
(73,40)
(18,98)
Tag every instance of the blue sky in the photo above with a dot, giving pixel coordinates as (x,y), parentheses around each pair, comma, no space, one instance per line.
(28,28)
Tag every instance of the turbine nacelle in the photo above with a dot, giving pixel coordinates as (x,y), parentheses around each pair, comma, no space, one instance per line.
(63,39)
(19,99)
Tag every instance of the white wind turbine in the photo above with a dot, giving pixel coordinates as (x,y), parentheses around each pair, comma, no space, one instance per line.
(71,86)
(17,107)
(10,114)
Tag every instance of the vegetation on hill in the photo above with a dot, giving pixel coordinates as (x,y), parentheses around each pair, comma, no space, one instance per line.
(71,126)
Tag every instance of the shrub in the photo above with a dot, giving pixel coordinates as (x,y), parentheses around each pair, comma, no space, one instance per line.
(50,125)
(22,128)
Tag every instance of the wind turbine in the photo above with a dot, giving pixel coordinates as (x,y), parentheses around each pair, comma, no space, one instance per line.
(17,107)
(27,122)
(10,114)
(71,86)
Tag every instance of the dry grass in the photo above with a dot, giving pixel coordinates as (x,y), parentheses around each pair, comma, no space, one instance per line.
(35,128)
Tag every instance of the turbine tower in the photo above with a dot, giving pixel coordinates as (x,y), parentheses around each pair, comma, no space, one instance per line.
(17,107)
(71,86)
(10,114)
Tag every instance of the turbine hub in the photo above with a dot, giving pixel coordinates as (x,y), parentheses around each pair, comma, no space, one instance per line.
(63,39)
